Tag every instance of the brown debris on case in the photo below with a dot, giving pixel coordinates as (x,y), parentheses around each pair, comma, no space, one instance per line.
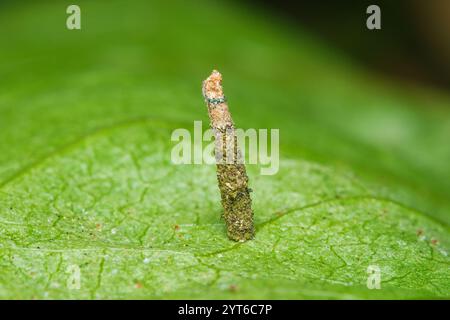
(231,173)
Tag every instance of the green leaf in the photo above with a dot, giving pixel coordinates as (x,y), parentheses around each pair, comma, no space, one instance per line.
(86,178)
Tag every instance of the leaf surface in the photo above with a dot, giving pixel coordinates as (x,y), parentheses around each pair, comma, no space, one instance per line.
(86,177)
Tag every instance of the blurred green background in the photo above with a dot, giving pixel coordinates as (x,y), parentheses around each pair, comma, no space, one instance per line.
(413,46)
(147,59)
